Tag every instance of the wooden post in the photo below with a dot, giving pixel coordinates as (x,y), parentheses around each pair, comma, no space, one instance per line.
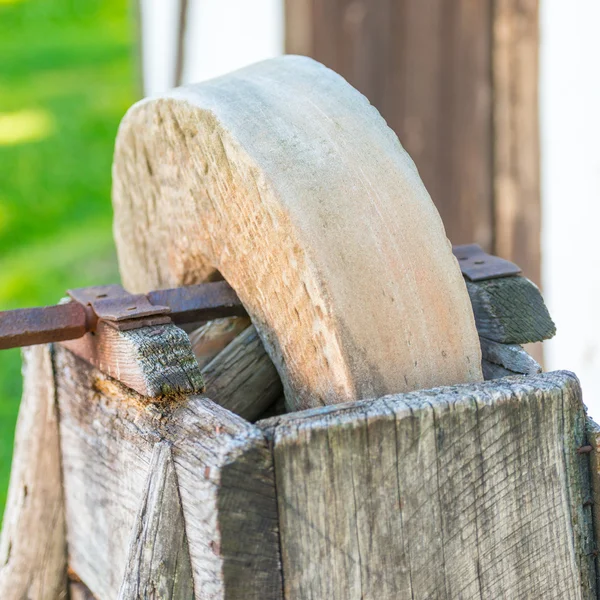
(224,478)
(457,81)
(33,547)
(473,491)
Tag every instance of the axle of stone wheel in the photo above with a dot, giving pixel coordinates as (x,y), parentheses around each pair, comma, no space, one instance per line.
(187,304)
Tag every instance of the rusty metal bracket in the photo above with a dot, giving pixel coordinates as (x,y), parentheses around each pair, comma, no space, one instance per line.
(114,306)
(120,309)
(477,265)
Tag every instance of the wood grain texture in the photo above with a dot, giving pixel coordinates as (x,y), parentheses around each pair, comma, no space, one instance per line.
(509,356)
(510,310)
(472,491)
(494,371)
(516,150)
(242,377)
(154,361)
(286,181)
(224,473)
(426,66)
(33,549)
(159,564)
(593,440)
(212,337)
(79,591)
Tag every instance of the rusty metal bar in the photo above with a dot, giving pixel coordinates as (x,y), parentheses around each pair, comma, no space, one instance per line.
(202,302)
(188,304)
(116,307)
(28,326)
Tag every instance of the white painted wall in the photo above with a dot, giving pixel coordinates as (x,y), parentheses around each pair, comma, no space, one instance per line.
(160,25)
(224,35)
(570,125)
(221,36)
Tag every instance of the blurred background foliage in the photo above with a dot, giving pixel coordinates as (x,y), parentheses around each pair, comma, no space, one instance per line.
(66,79)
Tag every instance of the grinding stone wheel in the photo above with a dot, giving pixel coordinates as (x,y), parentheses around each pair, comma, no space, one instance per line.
(284,180)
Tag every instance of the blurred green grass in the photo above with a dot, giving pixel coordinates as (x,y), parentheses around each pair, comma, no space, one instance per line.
(66,78)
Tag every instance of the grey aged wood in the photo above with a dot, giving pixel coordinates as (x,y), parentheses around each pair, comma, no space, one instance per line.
(242,377)
(472,491)
(154,361)
(594,442)
(224,472)
(510,356)
(510,310)
(33,551)
(493,371)
(159,560)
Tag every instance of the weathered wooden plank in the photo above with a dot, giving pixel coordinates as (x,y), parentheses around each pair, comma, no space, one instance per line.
(224,472)
(493,371)
(242,378)
(472,491)
(509,356)
(243,175)
(593,441)
(212,337)
(159,560)
(33,549)
(510,310)
(154,361)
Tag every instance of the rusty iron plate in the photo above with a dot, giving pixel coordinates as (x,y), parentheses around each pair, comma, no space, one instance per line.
(113,303)
(477,265)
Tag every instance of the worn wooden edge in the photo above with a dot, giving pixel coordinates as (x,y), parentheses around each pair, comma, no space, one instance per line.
(593,441)
(558,390)
(510,310)
(214,336)
(242,377)
(224,471)
(511,357)
(159,559)
(33,548)
(493,371)
(154,361)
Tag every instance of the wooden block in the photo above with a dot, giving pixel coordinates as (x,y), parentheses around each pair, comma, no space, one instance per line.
(212,337)
(33,549)
(286,181)
(224,472)
(159,560)
(509,357)
(242,378)
(472,491)
(510,310)
(493,371)
(154,361)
